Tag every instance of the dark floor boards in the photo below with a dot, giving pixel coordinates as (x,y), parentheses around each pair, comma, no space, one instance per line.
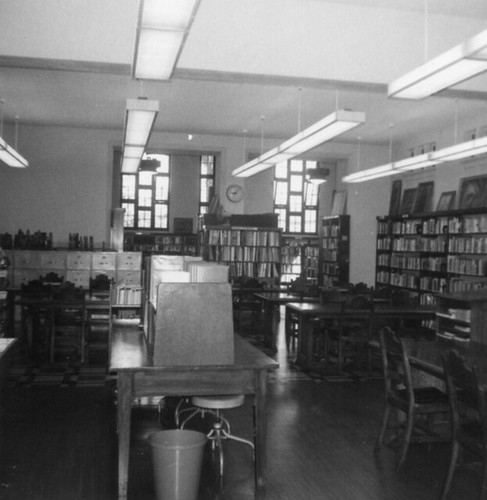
(59,443)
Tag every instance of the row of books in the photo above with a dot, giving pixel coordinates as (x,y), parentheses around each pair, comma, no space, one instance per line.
(436,264)
(468,224)
(123,294)
(331,231)
(430,284)
(472,267)
(420,244)
(466,285)
(405,280)
(243,237)
(262,270)
(468,244)
(248,254)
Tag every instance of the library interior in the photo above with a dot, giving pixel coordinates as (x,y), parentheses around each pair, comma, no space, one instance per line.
(243,249)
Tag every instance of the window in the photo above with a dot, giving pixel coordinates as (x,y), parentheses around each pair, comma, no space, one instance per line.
(145,197)
(207,182)
(295,200)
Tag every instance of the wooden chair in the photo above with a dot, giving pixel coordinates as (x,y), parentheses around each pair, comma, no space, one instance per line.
(35,300)
(245,302)
(468,415)
(68,319)
(348,339)
(425,408)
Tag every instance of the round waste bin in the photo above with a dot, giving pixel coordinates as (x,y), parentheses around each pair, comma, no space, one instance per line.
(177,457)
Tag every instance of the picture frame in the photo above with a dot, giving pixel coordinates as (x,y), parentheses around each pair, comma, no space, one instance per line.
(339,202)
(446,201)
(473,192)
(183,225)
(395,203)
(407,202)
(423,203)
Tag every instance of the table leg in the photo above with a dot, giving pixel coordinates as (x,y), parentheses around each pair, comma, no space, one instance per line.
(124,413)
(260,381)
(305,342)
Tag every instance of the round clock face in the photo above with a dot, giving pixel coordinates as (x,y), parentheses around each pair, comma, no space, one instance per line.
(235,192)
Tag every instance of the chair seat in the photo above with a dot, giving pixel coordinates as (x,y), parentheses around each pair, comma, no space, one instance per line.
(218,402)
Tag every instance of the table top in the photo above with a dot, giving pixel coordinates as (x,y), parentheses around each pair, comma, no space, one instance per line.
(283,298)
(5,345)
(129,352)
(316,309)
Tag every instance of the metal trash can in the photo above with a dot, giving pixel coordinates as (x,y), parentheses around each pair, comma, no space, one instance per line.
(177,458)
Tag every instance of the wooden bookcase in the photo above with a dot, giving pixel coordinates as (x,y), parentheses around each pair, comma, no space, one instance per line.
(299,253)
(335,249)
(248,251)
(162,243)
(433,253)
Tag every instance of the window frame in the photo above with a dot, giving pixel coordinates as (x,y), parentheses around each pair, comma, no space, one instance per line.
(290,177)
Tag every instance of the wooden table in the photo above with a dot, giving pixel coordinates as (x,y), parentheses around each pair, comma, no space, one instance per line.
(136,377)
(308,312)
(270,303)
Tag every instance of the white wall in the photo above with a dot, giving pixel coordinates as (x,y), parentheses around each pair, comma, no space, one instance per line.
(67,188)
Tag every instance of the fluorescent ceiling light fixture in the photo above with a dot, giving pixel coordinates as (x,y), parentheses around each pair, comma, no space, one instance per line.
(162,29)
(139,120)
(11,157)
(448,69)
(329,127)
(467,149)
(371,173)
(415,162)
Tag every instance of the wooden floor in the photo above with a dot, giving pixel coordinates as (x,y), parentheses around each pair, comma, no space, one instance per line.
(59,443)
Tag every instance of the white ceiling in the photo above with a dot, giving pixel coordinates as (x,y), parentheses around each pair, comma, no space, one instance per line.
(243,65)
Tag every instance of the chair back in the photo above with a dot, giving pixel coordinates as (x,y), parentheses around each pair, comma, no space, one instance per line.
(396,367)
(35,290)
(67,292)
(466,397)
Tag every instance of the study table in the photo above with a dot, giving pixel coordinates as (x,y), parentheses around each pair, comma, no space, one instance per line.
(307,313)
(130,359)
(270,303)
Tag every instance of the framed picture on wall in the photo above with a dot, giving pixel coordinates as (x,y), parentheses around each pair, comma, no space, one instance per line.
(423,202)
(473,192)
(395,203)
(407,202)
(446,201)
(339,202)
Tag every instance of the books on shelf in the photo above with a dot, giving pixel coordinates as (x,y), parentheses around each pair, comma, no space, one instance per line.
(123,294)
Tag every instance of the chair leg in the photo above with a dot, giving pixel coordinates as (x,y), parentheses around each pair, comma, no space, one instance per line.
(451,469)
(406,440)
(385,420)
(483,487)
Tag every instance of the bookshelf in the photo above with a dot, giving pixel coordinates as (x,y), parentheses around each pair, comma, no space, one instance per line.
(248,251)
(335,249)
(444,252)
(163,243)
(299,253)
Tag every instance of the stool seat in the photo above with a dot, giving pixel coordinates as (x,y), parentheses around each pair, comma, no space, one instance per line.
(218,402)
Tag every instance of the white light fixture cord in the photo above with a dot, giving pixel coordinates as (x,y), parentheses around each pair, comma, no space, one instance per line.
(425,30)
(299,110)
(455,130)
(16,131)
(262,118)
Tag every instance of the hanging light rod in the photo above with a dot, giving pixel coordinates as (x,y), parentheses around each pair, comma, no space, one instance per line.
(139,119)
(329,127)
(448,69)
(162,29)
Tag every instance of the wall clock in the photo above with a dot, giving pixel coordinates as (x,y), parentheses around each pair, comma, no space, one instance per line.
(235,192)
